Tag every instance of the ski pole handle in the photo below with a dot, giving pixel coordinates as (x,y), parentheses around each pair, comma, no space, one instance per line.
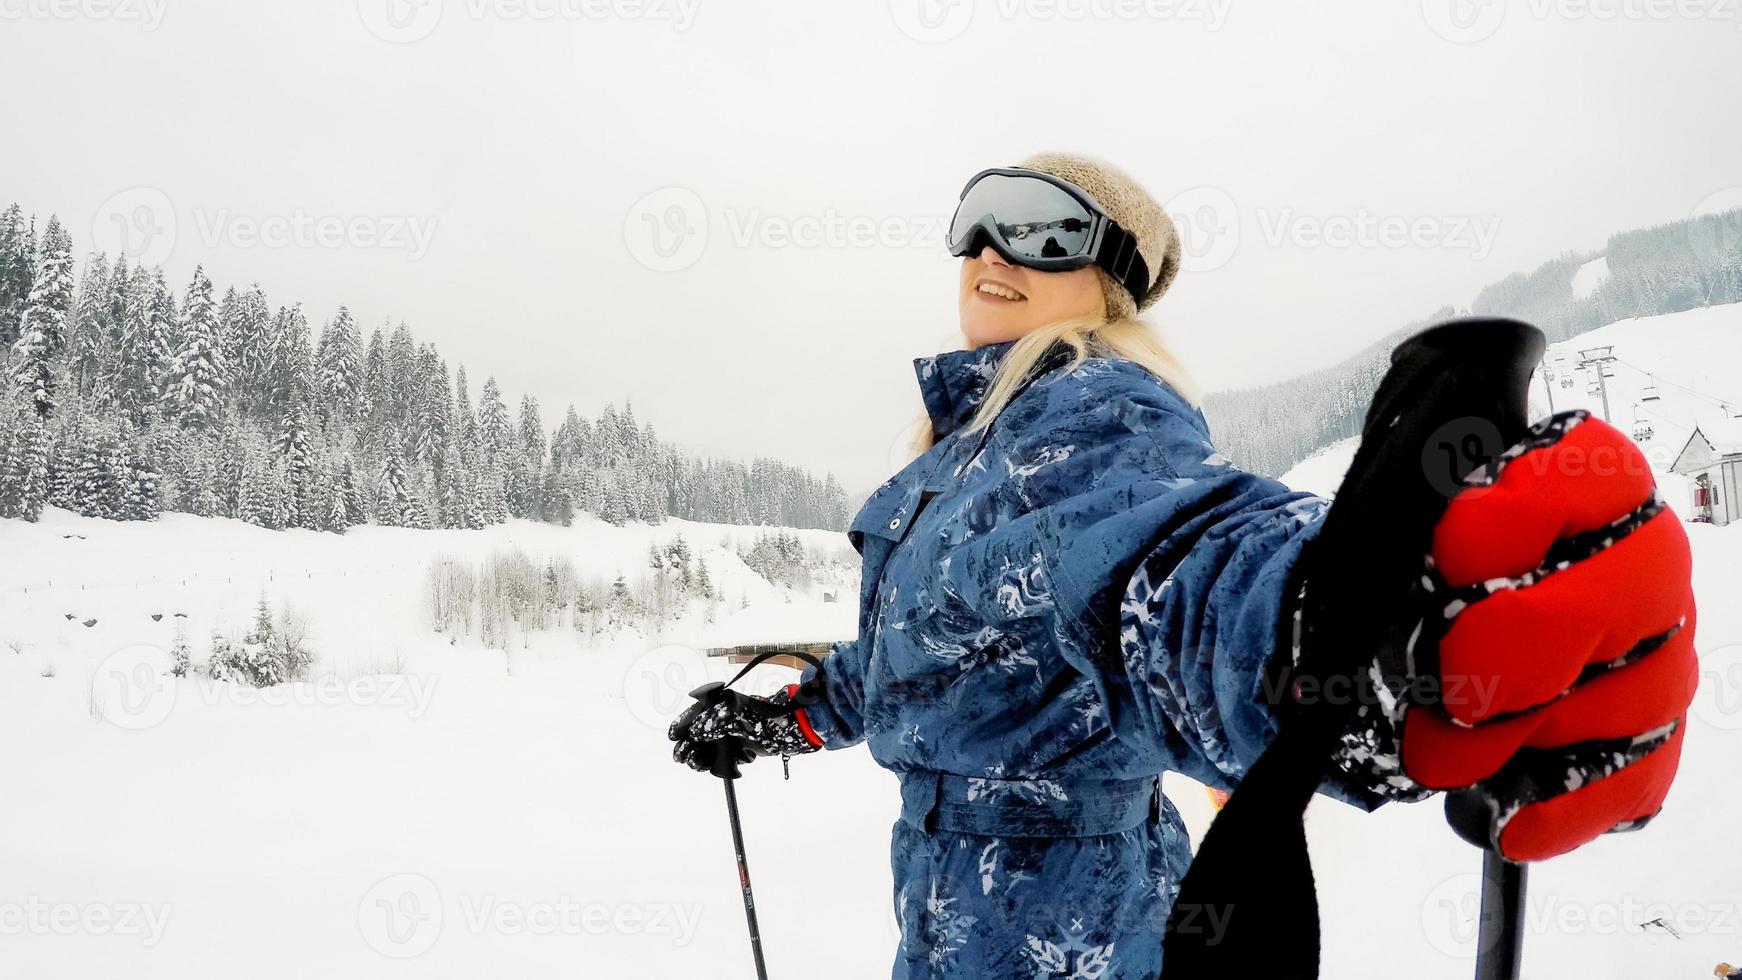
(726,750)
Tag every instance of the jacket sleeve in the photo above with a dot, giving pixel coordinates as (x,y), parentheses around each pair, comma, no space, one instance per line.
(836,696)
(1195,583)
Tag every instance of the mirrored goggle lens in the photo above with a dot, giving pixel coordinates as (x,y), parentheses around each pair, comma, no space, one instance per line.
(1036,219)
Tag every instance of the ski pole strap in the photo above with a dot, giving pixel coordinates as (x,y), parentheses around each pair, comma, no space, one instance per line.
(762,658)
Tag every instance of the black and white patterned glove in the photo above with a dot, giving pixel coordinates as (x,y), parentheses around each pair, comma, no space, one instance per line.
(748,726)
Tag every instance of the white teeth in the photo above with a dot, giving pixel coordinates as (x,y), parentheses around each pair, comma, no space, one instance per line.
(1002,292)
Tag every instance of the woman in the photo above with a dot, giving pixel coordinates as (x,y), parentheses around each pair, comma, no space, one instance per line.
(1070,592)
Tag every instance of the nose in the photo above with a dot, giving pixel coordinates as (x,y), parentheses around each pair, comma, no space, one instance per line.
(990,256)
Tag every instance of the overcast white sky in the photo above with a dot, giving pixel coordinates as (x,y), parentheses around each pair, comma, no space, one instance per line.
(501,167)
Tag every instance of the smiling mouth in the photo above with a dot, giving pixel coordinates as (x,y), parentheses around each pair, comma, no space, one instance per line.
(998,291)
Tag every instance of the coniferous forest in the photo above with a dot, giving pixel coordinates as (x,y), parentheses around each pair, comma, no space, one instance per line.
(122,398)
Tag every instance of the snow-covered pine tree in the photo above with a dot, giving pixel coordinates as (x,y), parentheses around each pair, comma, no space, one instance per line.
(89,329)
(492,485)
(195,476)
(678,556)
(704,581)
(292,363)
(278,482)
(254,496)
(68,443)
(139,479)
(340,363)
(555,506)
(250,348)
(434,409)
(42,330)
(401,377)
(373,401)
(338,517)
(524,476)
(451,492)
(356,509)
(195,386)
(465,422)
(162,340)
(494,428)
(294,445)
(23,459)
(393,503)
(17,270)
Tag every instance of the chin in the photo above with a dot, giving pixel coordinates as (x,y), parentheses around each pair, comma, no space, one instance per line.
(979,332)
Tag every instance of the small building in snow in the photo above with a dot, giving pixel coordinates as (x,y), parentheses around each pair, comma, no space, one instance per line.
(1712,459)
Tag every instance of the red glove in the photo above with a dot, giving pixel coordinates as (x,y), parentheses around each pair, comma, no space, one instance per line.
(1565,652)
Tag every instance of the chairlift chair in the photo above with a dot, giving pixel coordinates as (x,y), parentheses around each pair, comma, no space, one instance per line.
(1642,429)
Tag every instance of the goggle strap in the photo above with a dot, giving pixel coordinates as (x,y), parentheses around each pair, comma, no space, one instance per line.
(1120,257)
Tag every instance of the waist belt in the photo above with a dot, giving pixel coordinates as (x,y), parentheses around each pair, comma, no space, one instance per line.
(934,801)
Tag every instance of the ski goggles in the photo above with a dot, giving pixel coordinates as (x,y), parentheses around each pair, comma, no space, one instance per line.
(1043,222)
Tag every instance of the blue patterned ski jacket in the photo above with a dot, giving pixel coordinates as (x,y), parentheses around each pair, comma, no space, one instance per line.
(1055,610)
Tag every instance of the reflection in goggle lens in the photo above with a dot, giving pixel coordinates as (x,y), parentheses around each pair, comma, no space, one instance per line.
(1036,219)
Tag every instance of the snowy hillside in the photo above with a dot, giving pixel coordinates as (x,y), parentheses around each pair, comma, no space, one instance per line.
(1691,362)
(428,810)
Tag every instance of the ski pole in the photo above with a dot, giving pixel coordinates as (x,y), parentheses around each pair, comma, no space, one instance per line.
(1500,923)
(727,754)
(744,872)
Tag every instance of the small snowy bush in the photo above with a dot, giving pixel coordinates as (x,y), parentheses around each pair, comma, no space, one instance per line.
(269,653)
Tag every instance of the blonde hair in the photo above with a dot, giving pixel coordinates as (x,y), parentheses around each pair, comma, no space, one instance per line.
(1124,337)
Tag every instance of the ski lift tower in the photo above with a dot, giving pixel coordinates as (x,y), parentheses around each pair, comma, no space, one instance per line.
(1599,358)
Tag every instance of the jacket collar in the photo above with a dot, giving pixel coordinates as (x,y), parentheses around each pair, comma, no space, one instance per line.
(954,384)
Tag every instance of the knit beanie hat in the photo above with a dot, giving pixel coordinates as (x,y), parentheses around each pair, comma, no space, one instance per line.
(1130,205)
